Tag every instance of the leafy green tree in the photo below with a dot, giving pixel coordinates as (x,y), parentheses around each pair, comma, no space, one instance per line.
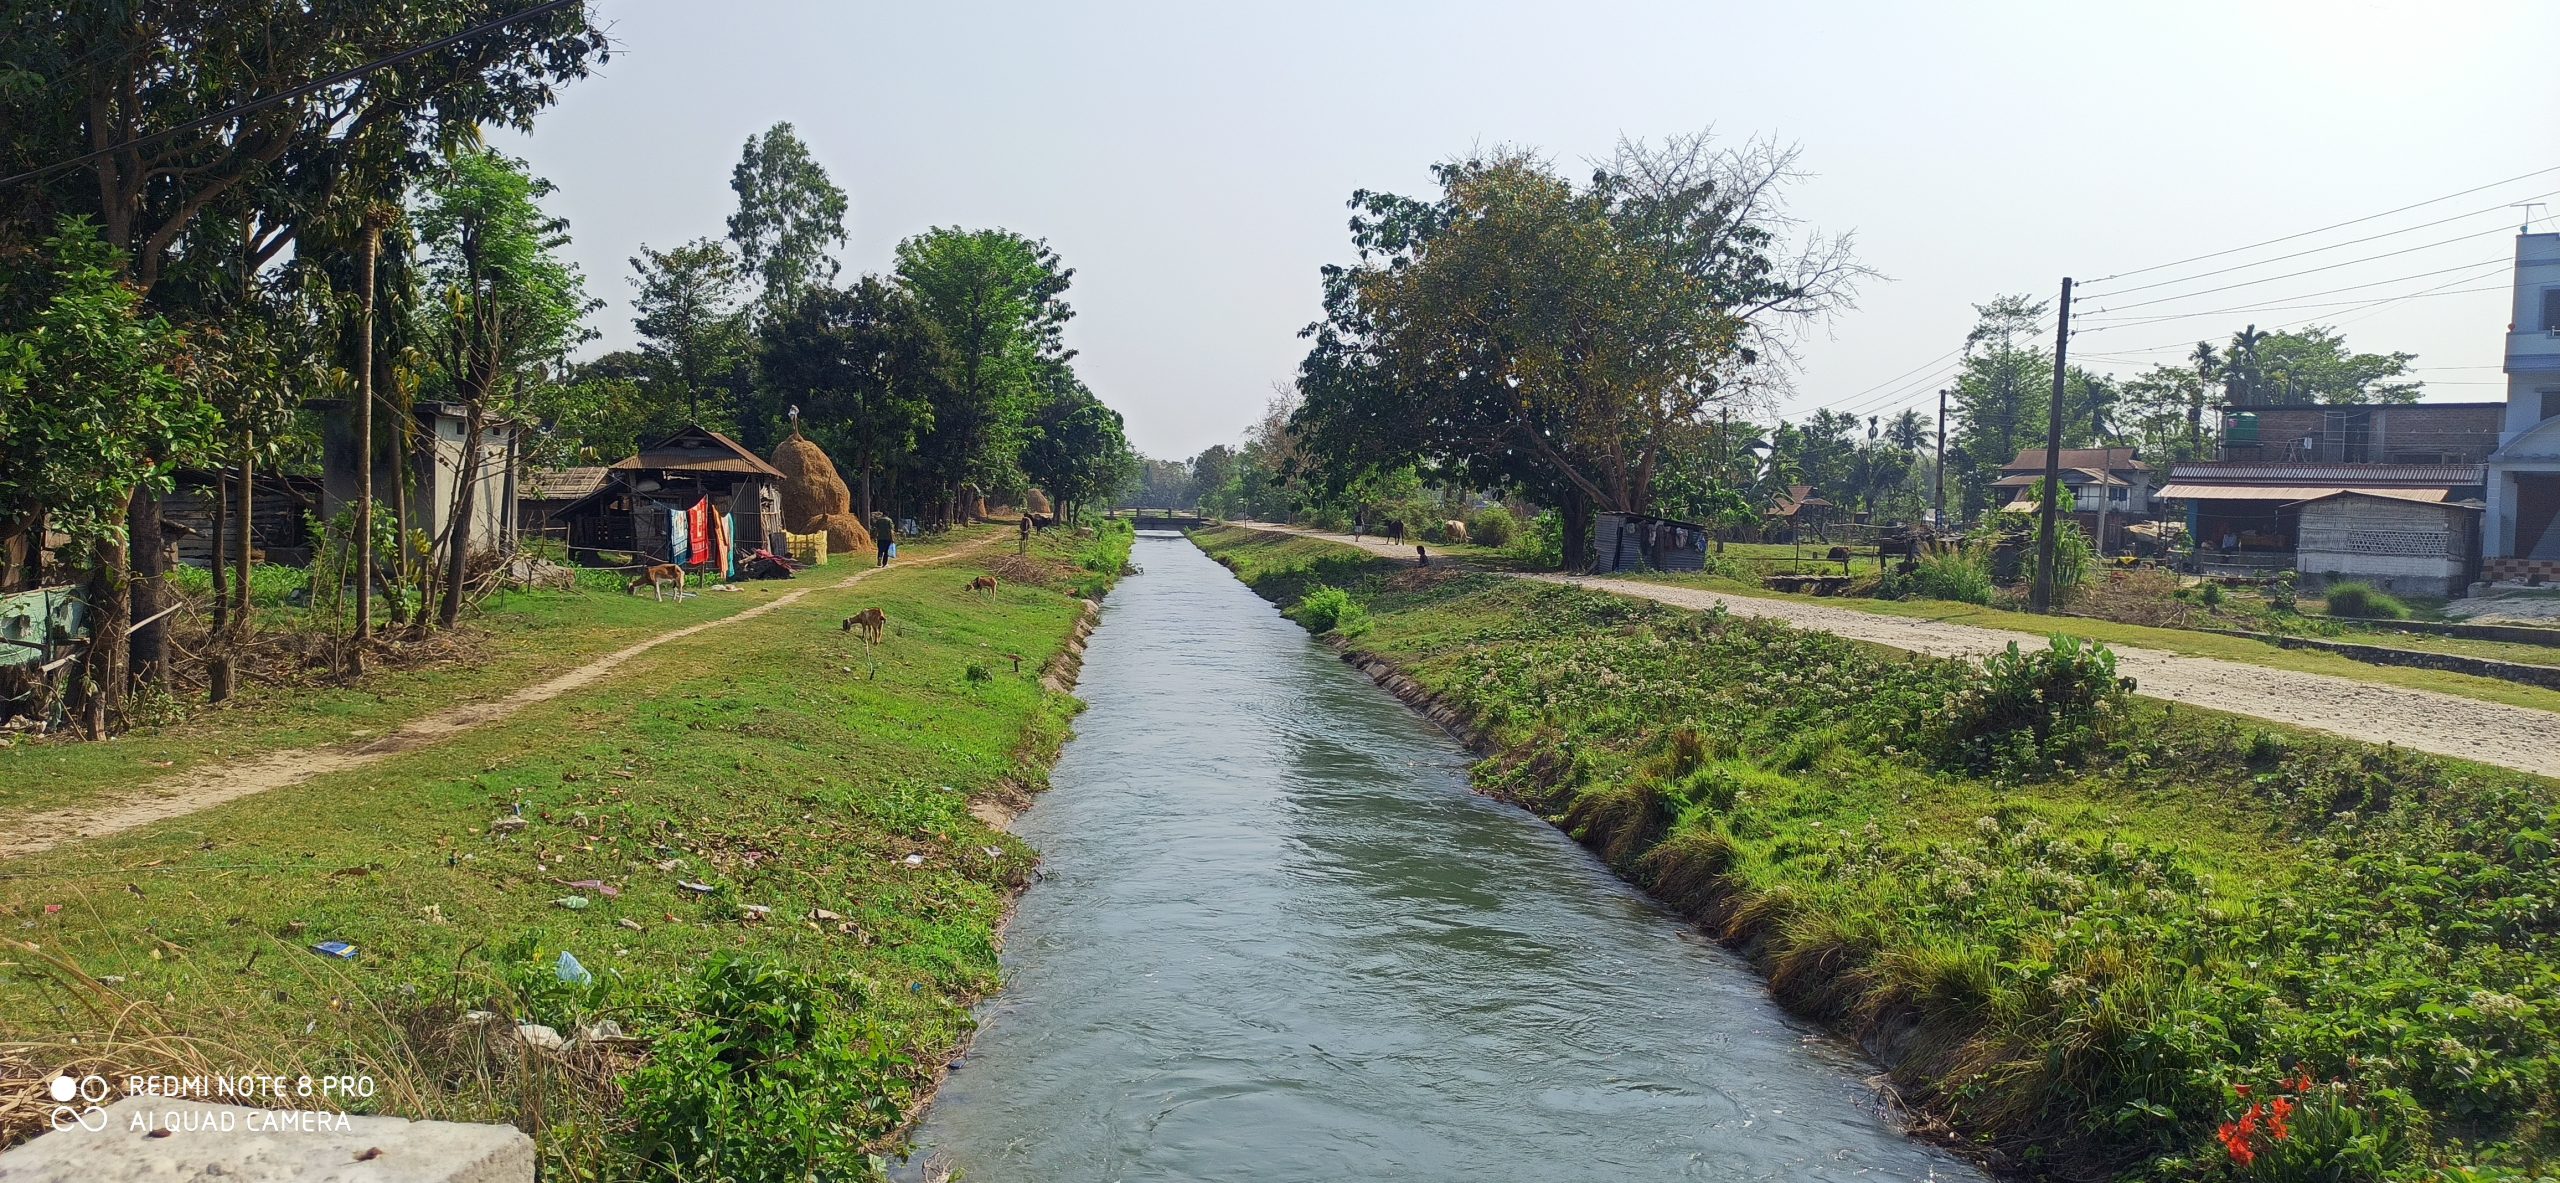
(789,213)
(1078,449)
(693,328)
(865,367)
(506,313)
(90,415)
(1525,332)
(2314,365)
(997,301)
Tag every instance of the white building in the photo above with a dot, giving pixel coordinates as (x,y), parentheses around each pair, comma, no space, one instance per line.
(2521,534)
(2408,542)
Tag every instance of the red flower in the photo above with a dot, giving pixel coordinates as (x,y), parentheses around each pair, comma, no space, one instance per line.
(2302,1083)
(2276,1118)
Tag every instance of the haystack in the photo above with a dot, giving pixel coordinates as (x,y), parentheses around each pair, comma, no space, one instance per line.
(845,535)
(810,487)
(1037,502)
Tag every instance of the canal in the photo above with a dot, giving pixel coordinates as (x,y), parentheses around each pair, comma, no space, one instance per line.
(1277,938)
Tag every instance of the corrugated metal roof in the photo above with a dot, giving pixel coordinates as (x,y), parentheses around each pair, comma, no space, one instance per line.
(2332,475)
(2179,491)
(2025,479)
(714,453)
(2112,459)
(2429,496)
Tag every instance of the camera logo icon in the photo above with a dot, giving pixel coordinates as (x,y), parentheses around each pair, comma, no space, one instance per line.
(88,1092)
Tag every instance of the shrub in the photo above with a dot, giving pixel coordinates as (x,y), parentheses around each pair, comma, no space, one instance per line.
(1491,526)
(762,1080)
(1542,543)
(2365,601)
(2209,594)
(2030,711)
(1961,576)
(1325,609)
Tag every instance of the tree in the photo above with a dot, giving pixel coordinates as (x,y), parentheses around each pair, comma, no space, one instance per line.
(1165,484)
(788,214)
(85,76)
(864,366)
(507,308)
(1078,450)
(693,332)
(1523,332)
(2315,365)
(90,418)
(996,299)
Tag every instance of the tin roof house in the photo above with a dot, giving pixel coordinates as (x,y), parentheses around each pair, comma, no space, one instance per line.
(630,516)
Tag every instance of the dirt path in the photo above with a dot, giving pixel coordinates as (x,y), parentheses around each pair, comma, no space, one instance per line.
(2511,737)
(207,787)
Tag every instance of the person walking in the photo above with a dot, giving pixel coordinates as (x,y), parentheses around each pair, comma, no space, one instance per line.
(884,536)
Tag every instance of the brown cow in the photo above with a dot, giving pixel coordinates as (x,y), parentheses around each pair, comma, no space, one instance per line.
(983,583)
(1455,530)
(873,622)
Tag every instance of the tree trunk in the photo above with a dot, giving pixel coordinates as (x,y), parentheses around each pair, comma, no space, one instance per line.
(458,529)
(404,488)
(248,550)
(149,642)
(102,668)
(218,665)
(364,450)
(1577,529)
(862,494)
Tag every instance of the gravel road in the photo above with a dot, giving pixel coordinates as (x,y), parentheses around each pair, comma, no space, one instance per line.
(2492,733)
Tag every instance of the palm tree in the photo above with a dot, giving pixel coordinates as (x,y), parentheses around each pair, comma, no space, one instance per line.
(2208,366)
(1907,431)
(2241,374)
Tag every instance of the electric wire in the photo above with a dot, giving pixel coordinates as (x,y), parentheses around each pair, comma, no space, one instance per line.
(2314,250)
(2281,304)
(2324,229)
(2249,283)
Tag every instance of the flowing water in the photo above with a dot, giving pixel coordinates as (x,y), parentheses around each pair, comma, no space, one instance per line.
(1277,938)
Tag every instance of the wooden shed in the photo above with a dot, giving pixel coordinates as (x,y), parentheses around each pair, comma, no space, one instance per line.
(633,511)
(1630,542)
(280,513)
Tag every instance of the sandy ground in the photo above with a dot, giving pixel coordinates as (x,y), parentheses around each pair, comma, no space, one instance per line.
(2508,607)
(2512,737)
(216,784)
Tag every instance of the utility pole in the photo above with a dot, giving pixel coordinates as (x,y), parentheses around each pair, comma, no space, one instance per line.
(366,267)
(1939,470)
(2050,502)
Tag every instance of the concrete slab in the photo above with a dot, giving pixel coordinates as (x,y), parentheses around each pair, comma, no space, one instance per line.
(203,1143)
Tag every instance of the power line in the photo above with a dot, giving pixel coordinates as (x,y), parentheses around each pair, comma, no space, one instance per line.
(256,104)
(2317,249)
(2374,306)
(2496,287)
(2324,229)
(2250,283)
(2499,262)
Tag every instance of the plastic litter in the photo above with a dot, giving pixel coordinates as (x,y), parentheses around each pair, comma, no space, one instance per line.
(338,949)
(915,860)
(537,1035)
(629,923)
(571,902)
(572,972)
(697,888)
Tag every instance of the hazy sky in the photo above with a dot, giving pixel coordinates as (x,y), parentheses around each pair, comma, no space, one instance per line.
(1191,161)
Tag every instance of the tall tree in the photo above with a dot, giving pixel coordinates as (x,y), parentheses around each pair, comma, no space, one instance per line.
(1555,338)
(997,300)
(90,418)
(1078,450)
(507,310)
(789,213)
(864,366)
(693,333)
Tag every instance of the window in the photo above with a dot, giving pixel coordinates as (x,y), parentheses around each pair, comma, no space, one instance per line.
(2550,405)
(2551,310)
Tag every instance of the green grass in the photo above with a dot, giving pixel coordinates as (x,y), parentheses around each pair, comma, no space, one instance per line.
(2191,642)
(514,639)
(772,759)
(2084,959)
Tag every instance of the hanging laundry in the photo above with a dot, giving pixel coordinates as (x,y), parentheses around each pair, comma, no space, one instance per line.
(699,529)
(728,528)
(679,536)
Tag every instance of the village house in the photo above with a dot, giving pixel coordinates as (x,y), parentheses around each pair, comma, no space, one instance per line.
(434,473)
(2246,516)
(2118,473)
(543,492)
(631,516)
(1799,513)
(2522,530)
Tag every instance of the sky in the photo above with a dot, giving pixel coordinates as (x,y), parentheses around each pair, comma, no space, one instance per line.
(1191,162)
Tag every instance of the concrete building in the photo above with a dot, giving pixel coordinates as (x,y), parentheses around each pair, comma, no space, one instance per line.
(2521,535)
(2246,517)
(2373,433)
(2404,541)
(434,470)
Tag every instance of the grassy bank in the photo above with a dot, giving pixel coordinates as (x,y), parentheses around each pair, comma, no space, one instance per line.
(2096,937)
(782,893)
(512,639)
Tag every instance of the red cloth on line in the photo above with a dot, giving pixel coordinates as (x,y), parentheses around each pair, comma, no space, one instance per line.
(698,524)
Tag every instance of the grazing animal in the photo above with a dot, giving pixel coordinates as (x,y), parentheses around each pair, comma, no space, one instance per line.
(1395,531)
(1455,529)
(873,623)
(1040,521)
(657,577)
(983,583)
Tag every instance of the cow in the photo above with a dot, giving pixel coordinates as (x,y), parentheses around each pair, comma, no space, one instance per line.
(1455,530)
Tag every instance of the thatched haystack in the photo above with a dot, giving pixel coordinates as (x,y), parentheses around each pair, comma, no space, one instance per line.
(810,487)
(1037,502)
(845,535)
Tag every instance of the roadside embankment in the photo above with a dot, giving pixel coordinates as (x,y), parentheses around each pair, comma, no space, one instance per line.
(720,913)
(2093,935)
